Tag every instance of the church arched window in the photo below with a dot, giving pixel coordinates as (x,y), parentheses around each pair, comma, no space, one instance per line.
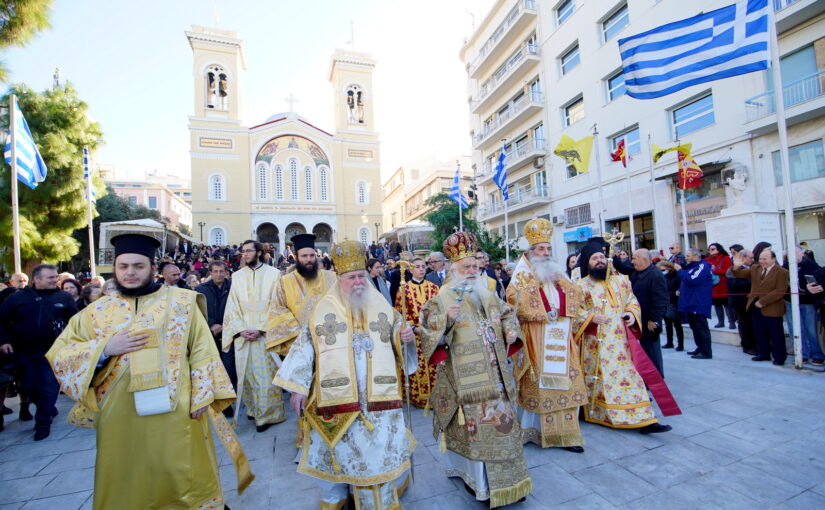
(308,183)
(356,100)
(217,236)
(322,183)
(263,191)
(293,179)
(364,235)
(216,82)
(279,182)
(217,188)
(361,194)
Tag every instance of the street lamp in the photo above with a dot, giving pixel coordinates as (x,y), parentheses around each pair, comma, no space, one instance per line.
(201,224)
(377,232)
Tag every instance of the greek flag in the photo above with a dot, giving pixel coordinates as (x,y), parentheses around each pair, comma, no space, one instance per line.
(718,44)
(87,175)
(31,169)
(500,177)
(456,194)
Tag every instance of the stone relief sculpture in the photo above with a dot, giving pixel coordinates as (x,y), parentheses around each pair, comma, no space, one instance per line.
(738,184)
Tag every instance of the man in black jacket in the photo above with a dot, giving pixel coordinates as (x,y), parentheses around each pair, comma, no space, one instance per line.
(216,291)
(30,321)
(650,289)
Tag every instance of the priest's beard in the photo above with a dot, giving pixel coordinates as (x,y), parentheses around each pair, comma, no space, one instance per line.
(598,273)
(137,291)
(473,287)
(308,271)
(546,269)
(356,300)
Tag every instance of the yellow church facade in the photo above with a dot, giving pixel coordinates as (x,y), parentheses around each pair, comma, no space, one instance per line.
(285,176)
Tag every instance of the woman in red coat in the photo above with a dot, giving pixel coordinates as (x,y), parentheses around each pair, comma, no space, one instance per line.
(719,259)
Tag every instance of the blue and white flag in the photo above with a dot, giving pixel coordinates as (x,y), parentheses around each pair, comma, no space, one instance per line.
(87,175)
(456,194)
(718,44)
(500,177)
(31,169)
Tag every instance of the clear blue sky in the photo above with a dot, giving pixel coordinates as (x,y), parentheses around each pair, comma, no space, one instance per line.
(131,62)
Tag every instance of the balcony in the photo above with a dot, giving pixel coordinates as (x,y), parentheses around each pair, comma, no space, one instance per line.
(522,62)
(518,111)
(518,157)
(804,100)
(790,13)
(522,15)
(522,199)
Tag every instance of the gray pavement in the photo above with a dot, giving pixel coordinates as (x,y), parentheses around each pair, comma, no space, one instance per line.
(752,436)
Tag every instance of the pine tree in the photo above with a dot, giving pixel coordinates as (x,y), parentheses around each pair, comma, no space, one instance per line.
(49,213)
(444,219)
(20,20)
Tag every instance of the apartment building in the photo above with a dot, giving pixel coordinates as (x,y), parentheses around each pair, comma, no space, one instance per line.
(731,124)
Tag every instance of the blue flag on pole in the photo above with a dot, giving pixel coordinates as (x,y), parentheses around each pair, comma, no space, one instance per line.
(500,176)
(31,169)
(456,194)
(87,175)
(711,46)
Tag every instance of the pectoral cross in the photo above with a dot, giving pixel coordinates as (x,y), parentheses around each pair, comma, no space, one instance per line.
(291,100)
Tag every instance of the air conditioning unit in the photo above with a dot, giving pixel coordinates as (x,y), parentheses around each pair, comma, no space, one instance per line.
(559,220)
(538,162)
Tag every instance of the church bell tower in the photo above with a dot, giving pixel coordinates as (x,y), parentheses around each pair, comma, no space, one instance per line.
(218,59)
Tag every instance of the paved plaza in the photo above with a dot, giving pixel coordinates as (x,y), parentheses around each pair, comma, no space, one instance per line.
(752,436)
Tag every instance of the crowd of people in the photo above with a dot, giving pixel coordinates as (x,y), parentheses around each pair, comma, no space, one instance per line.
(502,353)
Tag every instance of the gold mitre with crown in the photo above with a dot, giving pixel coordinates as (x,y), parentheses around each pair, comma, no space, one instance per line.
(460,245)
(348,256)
(538,230)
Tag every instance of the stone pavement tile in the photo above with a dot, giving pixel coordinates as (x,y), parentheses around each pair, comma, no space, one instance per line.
(615,444)
(81,431)
(819,489)
(805,501)
(727,444)
(697,457)
(422,455)
(810,448)
(696,493)
(430,480)
(71,460)
(255,497)
(735,408)
(614,483)
(69,482)
(572,462)
(23,467)
(453,500)
(589,502)
(12,506)
(303,500)
(63,502)
(765,489)
(23,489)
(537,456)
(658,469)
(756,433)
(792,468)
(45,448)
(88,504)
(552,485)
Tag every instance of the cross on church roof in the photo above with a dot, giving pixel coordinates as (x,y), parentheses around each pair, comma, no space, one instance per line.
(291,100)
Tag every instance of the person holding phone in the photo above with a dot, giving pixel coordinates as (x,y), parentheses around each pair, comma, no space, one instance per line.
(811,351)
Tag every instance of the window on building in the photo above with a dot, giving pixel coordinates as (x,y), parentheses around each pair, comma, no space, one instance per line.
(570,59)
(132,200)
(364,235)
(564,10)
(322,184)
(153,202)
(361,193)
(262,184)
(613,24)
(217,236)
(535,90)
(308,183)
(807,162)
(615,85)
(794,68)
(538,137)
(632,142)
(217,188)
(293,179)
(578,215)
(574,111)
(279,182)
(692,116)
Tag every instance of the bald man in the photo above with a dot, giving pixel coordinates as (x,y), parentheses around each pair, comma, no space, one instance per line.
(171,276)
(18,281)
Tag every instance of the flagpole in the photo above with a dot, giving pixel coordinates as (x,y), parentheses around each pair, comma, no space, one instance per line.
(88,173)
(506,233)
(653,193)
(599,180)
(460,193)
(790,229)
(15,213)
(630,210)
(684,217)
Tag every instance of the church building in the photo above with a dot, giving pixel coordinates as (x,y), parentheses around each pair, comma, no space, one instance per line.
(285,176)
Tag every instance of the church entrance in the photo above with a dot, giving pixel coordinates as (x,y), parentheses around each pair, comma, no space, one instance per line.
(293,229)
(267,233)
(323,237)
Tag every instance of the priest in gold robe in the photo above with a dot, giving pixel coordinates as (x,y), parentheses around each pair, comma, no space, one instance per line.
(469,334)
(617,396)
(244,324)
(410,298)
(547,371)
(343,372)
(144,371)
(296,294)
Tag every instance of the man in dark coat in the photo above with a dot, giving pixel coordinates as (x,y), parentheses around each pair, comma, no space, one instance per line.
(216,291)
(695,300)
(650,289)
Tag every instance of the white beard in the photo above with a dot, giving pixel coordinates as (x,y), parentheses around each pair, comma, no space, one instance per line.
(356,300)
(547,270)
(473,289)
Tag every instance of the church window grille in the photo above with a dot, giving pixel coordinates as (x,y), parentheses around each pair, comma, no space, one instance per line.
(279,183)
(308,183)
(364,235)
(322,178)
(293,179)
(361,193)
(217,236)
(217,188)
(262,184)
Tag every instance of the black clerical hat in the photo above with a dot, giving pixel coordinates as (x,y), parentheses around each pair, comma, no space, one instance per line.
(594,245)
(135,243)
(303,241)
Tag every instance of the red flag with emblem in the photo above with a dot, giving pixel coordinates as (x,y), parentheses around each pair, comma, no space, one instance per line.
(620,154)
(690,174)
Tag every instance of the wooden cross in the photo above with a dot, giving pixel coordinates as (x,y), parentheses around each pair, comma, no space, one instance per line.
(291,100)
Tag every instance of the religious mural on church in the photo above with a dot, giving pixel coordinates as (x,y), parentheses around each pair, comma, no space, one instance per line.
(280,143)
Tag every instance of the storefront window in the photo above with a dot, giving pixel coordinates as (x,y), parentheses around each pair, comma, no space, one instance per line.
(807,162)
(711,187)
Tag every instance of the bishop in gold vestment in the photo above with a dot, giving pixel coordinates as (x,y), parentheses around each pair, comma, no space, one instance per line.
(548,370)
(343,372)
(150,402)
(468,334)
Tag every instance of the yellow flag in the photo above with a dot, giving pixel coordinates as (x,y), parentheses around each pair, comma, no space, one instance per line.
(658,152)
(575,152)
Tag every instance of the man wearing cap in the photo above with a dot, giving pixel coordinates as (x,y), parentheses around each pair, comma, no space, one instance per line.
(244,325)
(617,397)
(295,296)
(547,371)
(144,371)
(465,331)
(342,372)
